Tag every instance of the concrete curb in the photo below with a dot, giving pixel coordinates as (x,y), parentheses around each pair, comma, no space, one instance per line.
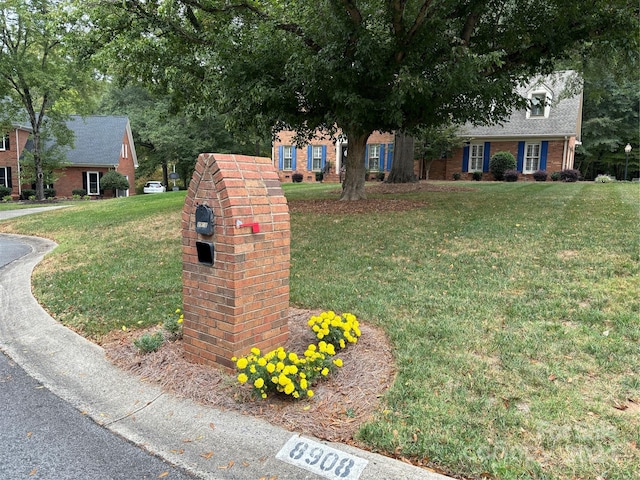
(178,430)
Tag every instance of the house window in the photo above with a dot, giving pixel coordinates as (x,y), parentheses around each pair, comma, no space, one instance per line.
(373,161)
(476,157)
(531,158)
(124,153)
(316,158)
(5,177)
(539,105)
(93,183)
(287,157)
(4,143)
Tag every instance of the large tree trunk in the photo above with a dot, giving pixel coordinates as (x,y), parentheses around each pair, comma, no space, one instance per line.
(353,185)
(37,164)
(402,167)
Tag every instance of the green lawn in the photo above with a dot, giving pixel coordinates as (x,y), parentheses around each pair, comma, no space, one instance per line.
(514,310)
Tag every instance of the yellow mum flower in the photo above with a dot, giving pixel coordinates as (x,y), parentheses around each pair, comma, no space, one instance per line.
(259,383)
(289,388)
(255,351)
(242,378)
(283,380)
(177,310)
(281,354)
(271,367)
(280,366)
(262,361)
(303,383)
(325,371)
(252,369)
(338,362)
(293,357)
(342,344)
(242,363)
(264,395)
(309,393)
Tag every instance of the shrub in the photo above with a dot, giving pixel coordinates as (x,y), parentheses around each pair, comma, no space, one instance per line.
(380,176)
(511,175)
(319,176)
(297,177)
(173,325)
(555,176)
(540,176)
(604,179)
(80,192)
(7,198)
(49,192)
(501,162)
(149,343)
(4,191)
(456,176)
(27,193)
(477,176)
(570,175)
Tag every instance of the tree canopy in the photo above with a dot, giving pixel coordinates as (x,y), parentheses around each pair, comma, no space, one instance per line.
(355,65)
(39,80)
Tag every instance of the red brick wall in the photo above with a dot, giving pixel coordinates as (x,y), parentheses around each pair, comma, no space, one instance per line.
(285,138)
(242,300)
(9,158)
(444,169)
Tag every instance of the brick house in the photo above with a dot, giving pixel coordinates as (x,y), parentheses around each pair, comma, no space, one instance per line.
(101,143)
(327,156)
(541,137)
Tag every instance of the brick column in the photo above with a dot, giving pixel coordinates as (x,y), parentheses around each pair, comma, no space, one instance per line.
(242,299)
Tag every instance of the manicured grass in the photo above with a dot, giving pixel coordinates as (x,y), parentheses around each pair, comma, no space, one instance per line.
(514,311)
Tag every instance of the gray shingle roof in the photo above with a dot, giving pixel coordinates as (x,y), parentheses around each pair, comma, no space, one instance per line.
(564,116)
(97,139)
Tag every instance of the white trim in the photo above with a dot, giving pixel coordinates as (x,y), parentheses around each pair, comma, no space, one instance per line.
(88,174)
(539,91)
(526,170)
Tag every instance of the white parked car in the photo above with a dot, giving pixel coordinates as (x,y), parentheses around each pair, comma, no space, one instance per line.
(154,187)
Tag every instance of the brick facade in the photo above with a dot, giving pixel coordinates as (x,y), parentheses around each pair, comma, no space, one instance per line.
(9,159)
(559,156)
(242,300)
(332,156)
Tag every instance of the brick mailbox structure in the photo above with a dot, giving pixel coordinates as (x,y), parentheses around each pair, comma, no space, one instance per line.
(236,258)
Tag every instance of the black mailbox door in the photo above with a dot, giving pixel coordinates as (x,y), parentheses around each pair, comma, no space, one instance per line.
(204,220)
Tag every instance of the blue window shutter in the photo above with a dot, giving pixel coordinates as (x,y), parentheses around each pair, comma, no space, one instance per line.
(294,150)
(520,156)
(544,149)
(487,156)
(280,157)
(389,156)
(309,157)
(324,156)
(465,159)
(366,157)
(382,157)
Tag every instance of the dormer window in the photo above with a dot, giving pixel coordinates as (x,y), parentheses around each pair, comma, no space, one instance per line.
(539,104)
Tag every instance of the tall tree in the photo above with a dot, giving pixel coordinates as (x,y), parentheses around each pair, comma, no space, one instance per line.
(356,65)
(38,77)
(167,136)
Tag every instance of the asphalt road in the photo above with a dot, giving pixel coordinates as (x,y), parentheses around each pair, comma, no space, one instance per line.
(44,437)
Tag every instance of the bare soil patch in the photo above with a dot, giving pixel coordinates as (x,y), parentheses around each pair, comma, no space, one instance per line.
(369,205)
(341,403)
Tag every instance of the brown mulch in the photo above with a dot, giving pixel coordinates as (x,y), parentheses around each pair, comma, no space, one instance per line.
(342,402)
(379,205)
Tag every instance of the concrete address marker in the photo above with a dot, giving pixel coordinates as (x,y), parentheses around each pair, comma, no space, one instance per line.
(321,459)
